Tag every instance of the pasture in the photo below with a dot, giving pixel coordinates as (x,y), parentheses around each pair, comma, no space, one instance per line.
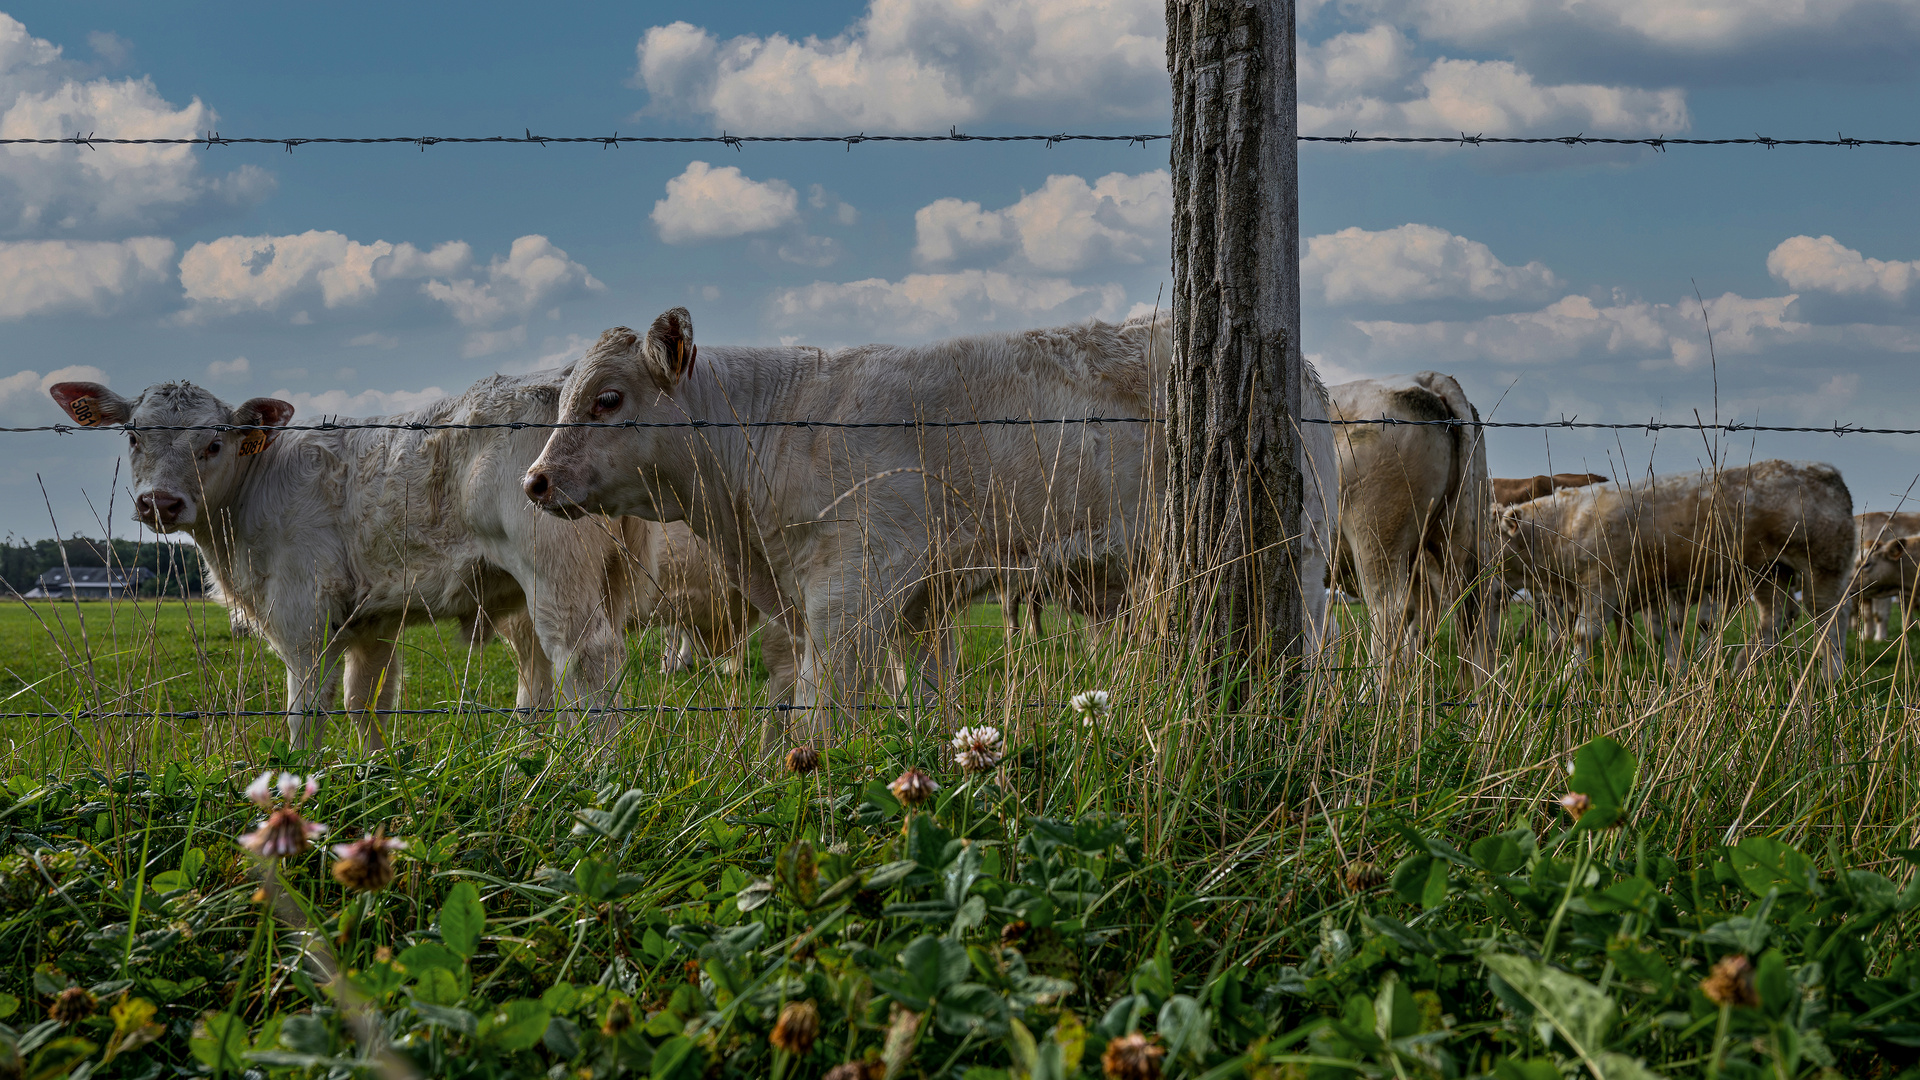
(1350,881)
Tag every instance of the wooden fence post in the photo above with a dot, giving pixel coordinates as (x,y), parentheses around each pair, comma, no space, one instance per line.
(1234,482)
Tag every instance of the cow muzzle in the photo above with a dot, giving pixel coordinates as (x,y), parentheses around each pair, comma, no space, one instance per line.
(161,510)
(545,494)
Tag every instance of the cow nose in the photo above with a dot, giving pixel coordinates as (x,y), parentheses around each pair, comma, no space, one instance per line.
(536,485)
(158,507)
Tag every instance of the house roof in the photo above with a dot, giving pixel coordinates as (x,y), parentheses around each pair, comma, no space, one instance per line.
(99,576)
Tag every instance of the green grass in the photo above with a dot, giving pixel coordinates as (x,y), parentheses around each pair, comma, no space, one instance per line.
(1269,867)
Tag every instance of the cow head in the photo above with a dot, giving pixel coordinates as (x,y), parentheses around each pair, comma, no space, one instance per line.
(1878,571)
(178,475)
(623,377)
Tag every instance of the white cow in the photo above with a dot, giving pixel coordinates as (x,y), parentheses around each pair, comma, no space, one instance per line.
(1415,505)
(869,539)
(328,542)
(1693,537)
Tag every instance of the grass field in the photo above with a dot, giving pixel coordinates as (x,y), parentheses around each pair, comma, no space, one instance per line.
(1355,881)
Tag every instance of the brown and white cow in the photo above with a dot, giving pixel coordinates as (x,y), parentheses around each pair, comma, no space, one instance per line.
(329,542)
(1414,513)
(1875,614)
(1677,540)
(869,539)
(1889,567)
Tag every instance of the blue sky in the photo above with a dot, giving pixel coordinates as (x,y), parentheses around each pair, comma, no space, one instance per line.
(1552,281)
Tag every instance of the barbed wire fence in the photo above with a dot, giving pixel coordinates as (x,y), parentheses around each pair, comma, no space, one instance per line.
(740,142)
(211,139)
(1730,426)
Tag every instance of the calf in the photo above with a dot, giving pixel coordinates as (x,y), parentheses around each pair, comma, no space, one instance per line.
(1413,518)
(1888,568)
(329,542)
(1693,537)
(871,539)
(1876,613)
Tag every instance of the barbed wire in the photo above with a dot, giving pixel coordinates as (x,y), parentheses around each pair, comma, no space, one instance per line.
(954,135)
(486,710)
(1730,426)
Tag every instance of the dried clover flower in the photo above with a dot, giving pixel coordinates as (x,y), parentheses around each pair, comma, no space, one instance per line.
(1575,803)
(1731,982)
(798,1026)
(284,833)
(803,760)
(977,749)
(74,1004)
(366,864)
(913,787)
(1132,1057)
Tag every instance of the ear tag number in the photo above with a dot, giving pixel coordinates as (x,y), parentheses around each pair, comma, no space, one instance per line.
(253,442)
(84,410)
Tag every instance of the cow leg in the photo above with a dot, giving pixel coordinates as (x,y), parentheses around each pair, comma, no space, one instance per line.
(313,681)
(372,685)
(1822,591)
(1881,617)
(1386,584)
(587,651)
(533,689)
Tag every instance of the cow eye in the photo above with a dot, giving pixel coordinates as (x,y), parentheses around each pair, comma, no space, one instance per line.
(608,401)
(213,447)
(133,442)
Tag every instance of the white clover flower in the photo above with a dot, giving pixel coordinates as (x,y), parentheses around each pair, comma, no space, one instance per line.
(1092,705)
(260,792)
(977,749)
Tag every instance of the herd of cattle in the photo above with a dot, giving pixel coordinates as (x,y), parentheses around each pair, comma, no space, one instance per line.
(853,541)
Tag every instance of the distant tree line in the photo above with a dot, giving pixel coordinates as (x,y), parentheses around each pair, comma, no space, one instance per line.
(176,567)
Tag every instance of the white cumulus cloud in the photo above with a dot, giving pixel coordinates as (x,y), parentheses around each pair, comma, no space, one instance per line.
(1066,225)
(30,387)
(259,273)
(918,65)
(922,305)
(1415,262)
(705,203)
(235,274)
(237,368)
(1576,328)
(534,273)
(1823,264)
(1696,26)
(111,189)
(1365,81)
(40,276)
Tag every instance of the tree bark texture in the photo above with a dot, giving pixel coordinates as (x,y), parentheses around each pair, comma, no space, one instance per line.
(1235,478)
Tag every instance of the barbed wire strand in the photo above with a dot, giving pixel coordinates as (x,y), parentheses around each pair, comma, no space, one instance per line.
(954,135)
(635,425)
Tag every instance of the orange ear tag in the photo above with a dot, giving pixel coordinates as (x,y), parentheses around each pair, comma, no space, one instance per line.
(83,410)
(253,442)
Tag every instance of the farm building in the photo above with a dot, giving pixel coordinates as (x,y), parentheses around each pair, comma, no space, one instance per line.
(89,583)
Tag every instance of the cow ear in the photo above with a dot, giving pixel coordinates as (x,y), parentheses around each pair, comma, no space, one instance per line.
(1895,549)
(257,413)
(670,348)
(91,404)
(1510,521)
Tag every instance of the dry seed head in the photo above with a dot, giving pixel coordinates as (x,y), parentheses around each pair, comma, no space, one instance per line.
(366,865)
(74,1004)
(977,749)
(913,787)
(803,760)
(1731,983)
(1132,1057)
(1363,877)
(619,1018)
(798,1026)
(1575,803)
